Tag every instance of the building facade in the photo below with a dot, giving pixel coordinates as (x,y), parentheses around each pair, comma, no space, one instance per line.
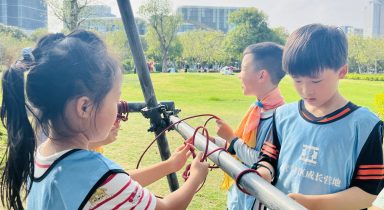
(24,14)
(205,17)
(350,30)
(100,18)
(374,24)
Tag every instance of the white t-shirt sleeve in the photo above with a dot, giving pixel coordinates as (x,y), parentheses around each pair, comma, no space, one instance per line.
(246,154)
(119,191)
(379,202)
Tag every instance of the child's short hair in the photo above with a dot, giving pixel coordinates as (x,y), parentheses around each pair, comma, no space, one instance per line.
(268,56)
(313,48)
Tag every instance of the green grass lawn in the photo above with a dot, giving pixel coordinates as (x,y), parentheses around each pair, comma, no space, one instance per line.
(197,93)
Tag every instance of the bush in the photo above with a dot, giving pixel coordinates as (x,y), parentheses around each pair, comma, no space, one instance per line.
(379,105)
(370,77)
(128,65)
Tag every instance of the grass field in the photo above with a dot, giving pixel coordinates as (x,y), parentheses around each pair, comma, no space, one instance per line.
(196,93)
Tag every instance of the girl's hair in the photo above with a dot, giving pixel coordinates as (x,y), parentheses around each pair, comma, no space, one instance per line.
(64,68)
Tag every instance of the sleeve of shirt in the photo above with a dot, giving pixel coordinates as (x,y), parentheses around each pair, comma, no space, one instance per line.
(120,191)
(271,147)
(245,153)
(379,201)
(369,169)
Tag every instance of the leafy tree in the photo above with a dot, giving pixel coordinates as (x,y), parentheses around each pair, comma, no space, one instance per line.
(365,54)
(12,40)
(38,33)
(154,51)
(117,43)
(281,34)
(203,47)
(250,26)
(12,31)
(164,23)
(71,12)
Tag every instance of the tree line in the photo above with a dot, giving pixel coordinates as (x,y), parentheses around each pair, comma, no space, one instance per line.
(201,48)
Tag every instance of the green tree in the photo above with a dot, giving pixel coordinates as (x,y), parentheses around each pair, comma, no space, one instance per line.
(37,34)
(365,54)
(164,23)
(71,12)
(117,43)
(12,40)
(153,50)
(250,26)
(12,31)
(203,47)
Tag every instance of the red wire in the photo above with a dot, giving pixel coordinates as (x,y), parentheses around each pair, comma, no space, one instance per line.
(191,140)
(173,124)
(240,175)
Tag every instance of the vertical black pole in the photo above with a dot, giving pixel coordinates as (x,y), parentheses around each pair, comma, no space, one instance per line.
(145,81)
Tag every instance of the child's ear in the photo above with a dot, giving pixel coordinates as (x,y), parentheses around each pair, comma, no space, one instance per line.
(263,75)
(83,107)
(343,71)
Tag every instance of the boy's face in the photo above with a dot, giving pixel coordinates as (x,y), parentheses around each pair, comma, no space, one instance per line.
(319,91)
(249,76)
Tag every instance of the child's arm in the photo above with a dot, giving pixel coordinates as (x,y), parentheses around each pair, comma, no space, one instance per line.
(148,175)
(181,198)
(236,145)
(351,198)
(269,155)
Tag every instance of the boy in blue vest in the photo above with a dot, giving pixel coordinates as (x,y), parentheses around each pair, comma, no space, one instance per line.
(324,151)
(260,75)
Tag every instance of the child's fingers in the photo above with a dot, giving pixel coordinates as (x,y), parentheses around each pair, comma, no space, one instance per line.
(199,156)
(189,153)
(219,122)
(186,149)
(178,149)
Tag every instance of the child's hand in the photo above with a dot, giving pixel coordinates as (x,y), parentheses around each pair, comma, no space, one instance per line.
(225,131)
(304,200)
(180,156)
(199,170)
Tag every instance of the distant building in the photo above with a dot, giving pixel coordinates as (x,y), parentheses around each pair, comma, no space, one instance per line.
(374,21)
(350,30)
(205,17)
(24,14)
(100,18)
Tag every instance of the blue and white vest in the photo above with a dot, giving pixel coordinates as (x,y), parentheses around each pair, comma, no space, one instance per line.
(319,158)
(70,181)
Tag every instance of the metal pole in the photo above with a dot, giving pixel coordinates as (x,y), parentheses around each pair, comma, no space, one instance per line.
(145,81)
(252,183)
(138,106)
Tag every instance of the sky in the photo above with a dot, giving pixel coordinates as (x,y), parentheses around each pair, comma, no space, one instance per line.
(290,14)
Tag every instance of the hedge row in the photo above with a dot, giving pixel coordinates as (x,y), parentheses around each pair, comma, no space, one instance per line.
(370,77)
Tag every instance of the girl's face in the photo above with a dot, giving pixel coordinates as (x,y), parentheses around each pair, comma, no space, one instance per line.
(106,115)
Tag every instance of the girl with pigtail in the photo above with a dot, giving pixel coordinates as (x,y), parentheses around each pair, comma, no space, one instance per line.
(71,89)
